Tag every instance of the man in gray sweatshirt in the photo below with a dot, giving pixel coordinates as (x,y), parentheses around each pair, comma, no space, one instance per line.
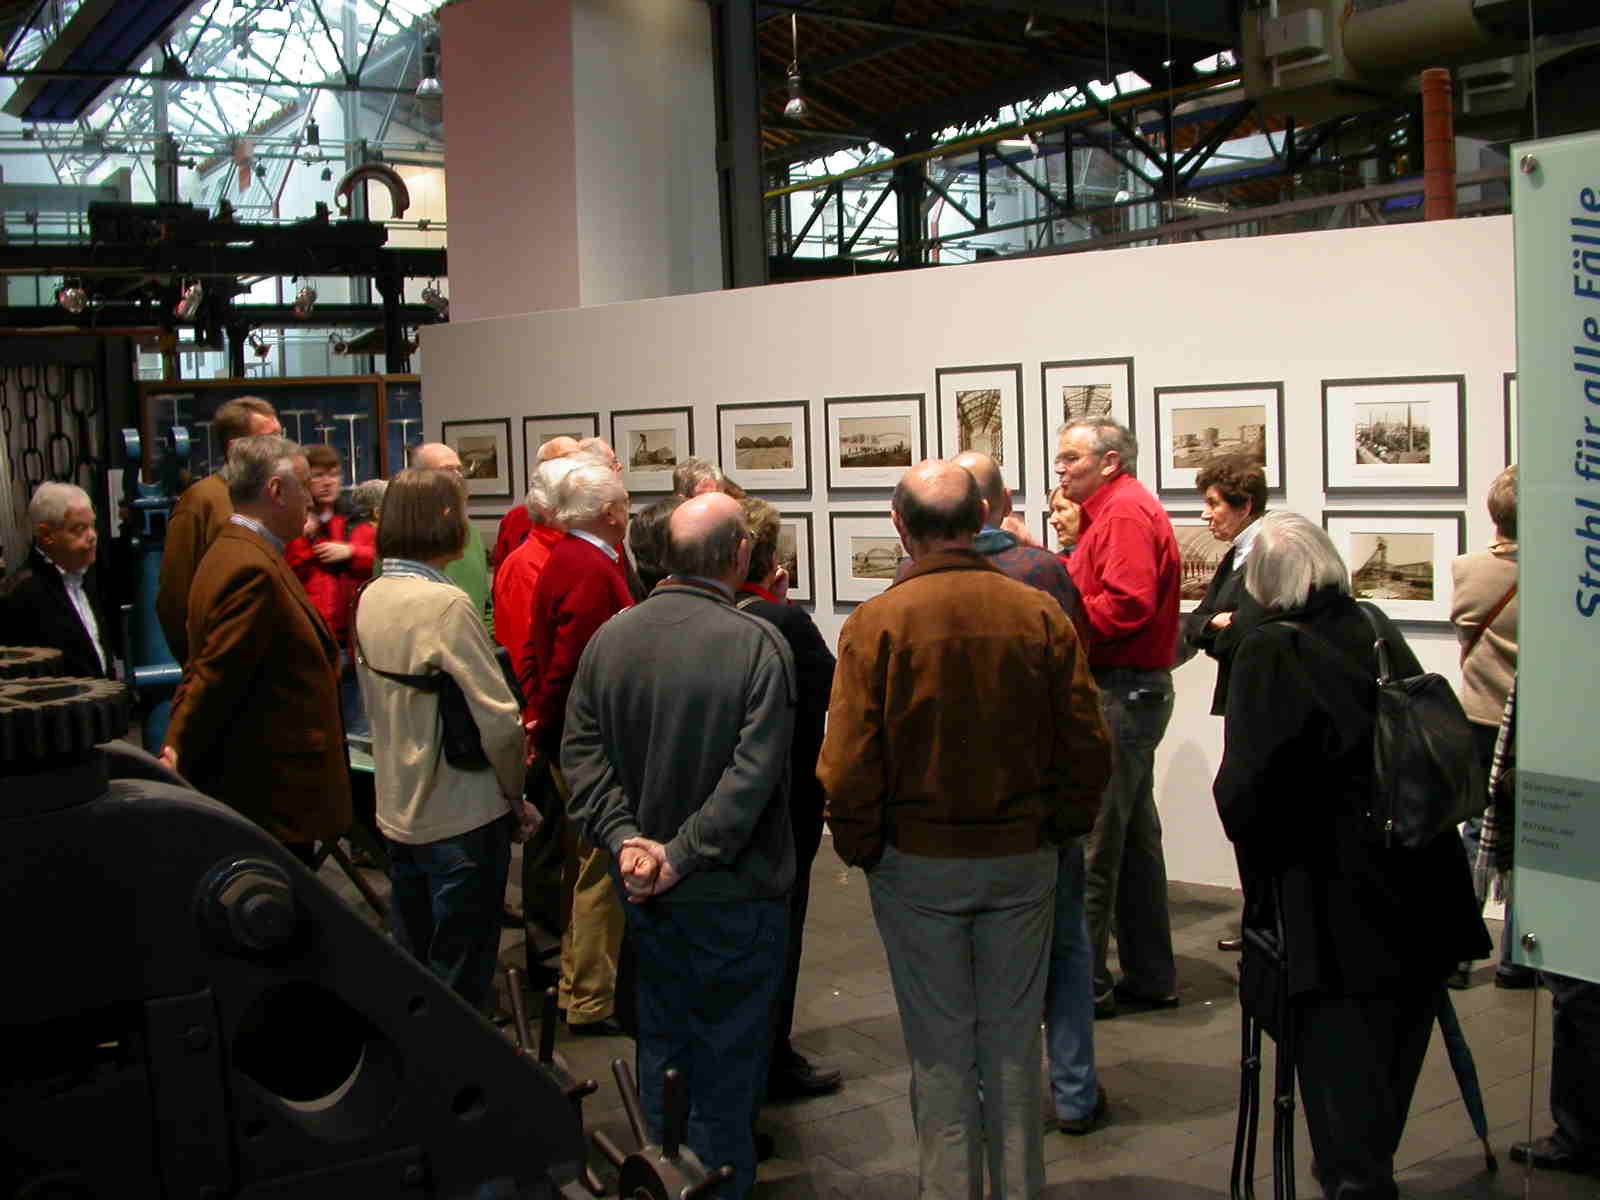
(676,750)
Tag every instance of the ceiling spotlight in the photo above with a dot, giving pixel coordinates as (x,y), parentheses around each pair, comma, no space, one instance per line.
(796,108)
(430,88)
(1035,28)
(186,307)
(304,301)
(72,297)
(313,133)
(436,300)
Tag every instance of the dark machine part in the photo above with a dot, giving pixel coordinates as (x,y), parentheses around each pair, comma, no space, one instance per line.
(669,1171)
(196,1016)
(28,662)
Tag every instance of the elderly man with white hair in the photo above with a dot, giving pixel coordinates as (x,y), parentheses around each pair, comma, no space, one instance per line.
(580,588)
(53,600)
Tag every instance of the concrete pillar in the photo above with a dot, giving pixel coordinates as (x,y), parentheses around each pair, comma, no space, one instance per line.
(580,161)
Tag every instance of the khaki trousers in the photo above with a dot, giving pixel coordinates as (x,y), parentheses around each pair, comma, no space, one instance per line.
(593,934)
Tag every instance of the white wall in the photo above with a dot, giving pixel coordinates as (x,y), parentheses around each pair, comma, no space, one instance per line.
(1404,300)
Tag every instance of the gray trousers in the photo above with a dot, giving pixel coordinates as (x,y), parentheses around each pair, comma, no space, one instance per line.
(1126,876)
(968,941)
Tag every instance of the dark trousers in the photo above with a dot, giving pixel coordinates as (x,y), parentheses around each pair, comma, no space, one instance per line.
(1358,1058)
(447,902)
(807,839)
(1575,1063)
(708,974)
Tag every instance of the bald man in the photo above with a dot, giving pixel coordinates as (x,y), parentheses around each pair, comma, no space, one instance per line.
(965,747)
(470,572)
(676,749)
(519,519)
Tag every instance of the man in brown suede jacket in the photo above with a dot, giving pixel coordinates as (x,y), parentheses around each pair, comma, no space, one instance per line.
(964,744)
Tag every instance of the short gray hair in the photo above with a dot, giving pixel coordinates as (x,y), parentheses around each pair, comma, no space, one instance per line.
(366,498)
(1109,435)
(541,498)
(1289,559)
(51,501)
(583,493)
(254,460)
(692,472)
(713,554)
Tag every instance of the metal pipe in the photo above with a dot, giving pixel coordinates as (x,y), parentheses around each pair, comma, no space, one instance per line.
(1438,146)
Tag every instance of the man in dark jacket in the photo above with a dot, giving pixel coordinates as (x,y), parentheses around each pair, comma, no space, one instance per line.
(791,1075)
(964,745)
(676,750)
(53,600)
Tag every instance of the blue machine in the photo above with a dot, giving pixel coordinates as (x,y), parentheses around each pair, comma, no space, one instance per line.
(152,670)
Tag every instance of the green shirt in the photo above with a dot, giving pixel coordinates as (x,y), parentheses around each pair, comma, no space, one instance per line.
(470,573)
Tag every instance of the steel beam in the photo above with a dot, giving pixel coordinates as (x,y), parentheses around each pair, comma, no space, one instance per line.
(737,76)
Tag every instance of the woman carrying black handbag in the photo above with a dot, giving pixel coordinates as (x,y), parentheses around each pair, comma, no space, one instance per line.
(1369,932)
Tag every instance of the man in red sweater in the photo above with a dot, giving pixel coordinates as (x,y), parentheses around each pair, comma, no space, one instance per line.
(1126,568)
(581,586)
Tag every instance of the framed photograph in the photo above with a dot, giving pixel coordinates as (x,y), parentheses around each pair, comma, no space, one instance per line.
(980,408)
(796,554)
(651,442)
(1403,435)
(485,450)
(766,447)
(866,555)
(1400,560)
(873,439)
(536,431)
(1083,387)
(1199,556)
(1195,425)
(1509,385)
(488,527)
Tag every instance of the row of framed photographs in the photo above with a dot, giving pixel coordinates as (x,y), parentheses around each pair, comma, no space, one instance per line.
(1399,560)
(1400,435)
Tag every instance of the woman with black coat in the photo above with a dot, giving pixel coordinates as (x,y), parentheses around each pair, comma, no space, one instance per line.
(1371,932)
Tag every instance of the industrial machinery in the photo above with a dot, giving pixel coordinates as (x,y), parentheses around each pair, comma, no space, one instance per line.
(191,1013)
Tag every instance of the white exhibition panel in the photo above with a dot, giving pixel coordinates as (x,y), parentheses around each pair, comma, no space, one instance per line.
(1399,301)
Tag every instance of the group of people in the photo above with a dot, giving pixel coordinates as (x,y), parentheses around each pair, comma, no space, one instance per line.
(665,734)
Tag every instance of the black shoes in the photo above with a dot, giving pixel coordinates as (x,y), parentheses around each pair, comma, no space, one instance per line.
(1096,1118)
(1136,1000)
(1547,1154)
(1516,978)
(796,1079)
(1459,980)
(1230,945)
(766,1147)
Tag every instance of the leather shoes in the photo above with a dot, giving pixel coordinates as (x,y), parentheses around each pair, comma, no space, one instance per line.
(1547,1154)
(1079,1126)
(766,1147)
(1517,979)
(604,1027)
(1230,945)
(797,1079)
(1137,1000)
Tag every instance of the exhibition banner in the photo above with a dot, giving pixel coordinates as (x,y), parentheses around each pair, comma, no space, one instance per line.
(1556,219)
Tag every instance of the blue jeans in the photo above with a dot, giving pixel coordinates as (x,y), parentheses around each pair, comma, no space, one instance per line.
(708,976)
(1126,871)
(1069,995)
(448,896)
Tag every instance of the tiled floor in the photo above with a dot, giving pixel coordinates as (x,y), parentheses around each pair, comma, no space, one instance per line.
(1173,1079)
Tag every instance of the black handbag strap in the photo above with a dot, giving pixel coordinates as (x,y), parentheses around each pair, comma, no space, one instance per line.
(433,681)
(1379,644)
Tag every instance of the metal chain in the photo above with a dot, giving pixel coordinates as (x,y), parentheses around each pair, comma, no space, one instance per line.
(31,457)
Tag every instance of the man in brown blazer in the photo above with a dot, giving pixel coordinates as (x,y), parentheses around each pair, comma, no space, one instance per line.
(201,513)
(256,722)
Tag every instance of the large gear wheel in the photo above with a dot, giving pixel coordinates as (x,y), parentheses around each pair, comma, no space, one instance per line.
(28,662)
(48,719)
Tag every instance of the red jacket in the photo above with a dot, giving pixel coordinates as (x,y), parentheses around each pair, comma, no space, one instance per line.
(579,590)
(1127,569)
(514,527)
(331,587)
(513,592)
